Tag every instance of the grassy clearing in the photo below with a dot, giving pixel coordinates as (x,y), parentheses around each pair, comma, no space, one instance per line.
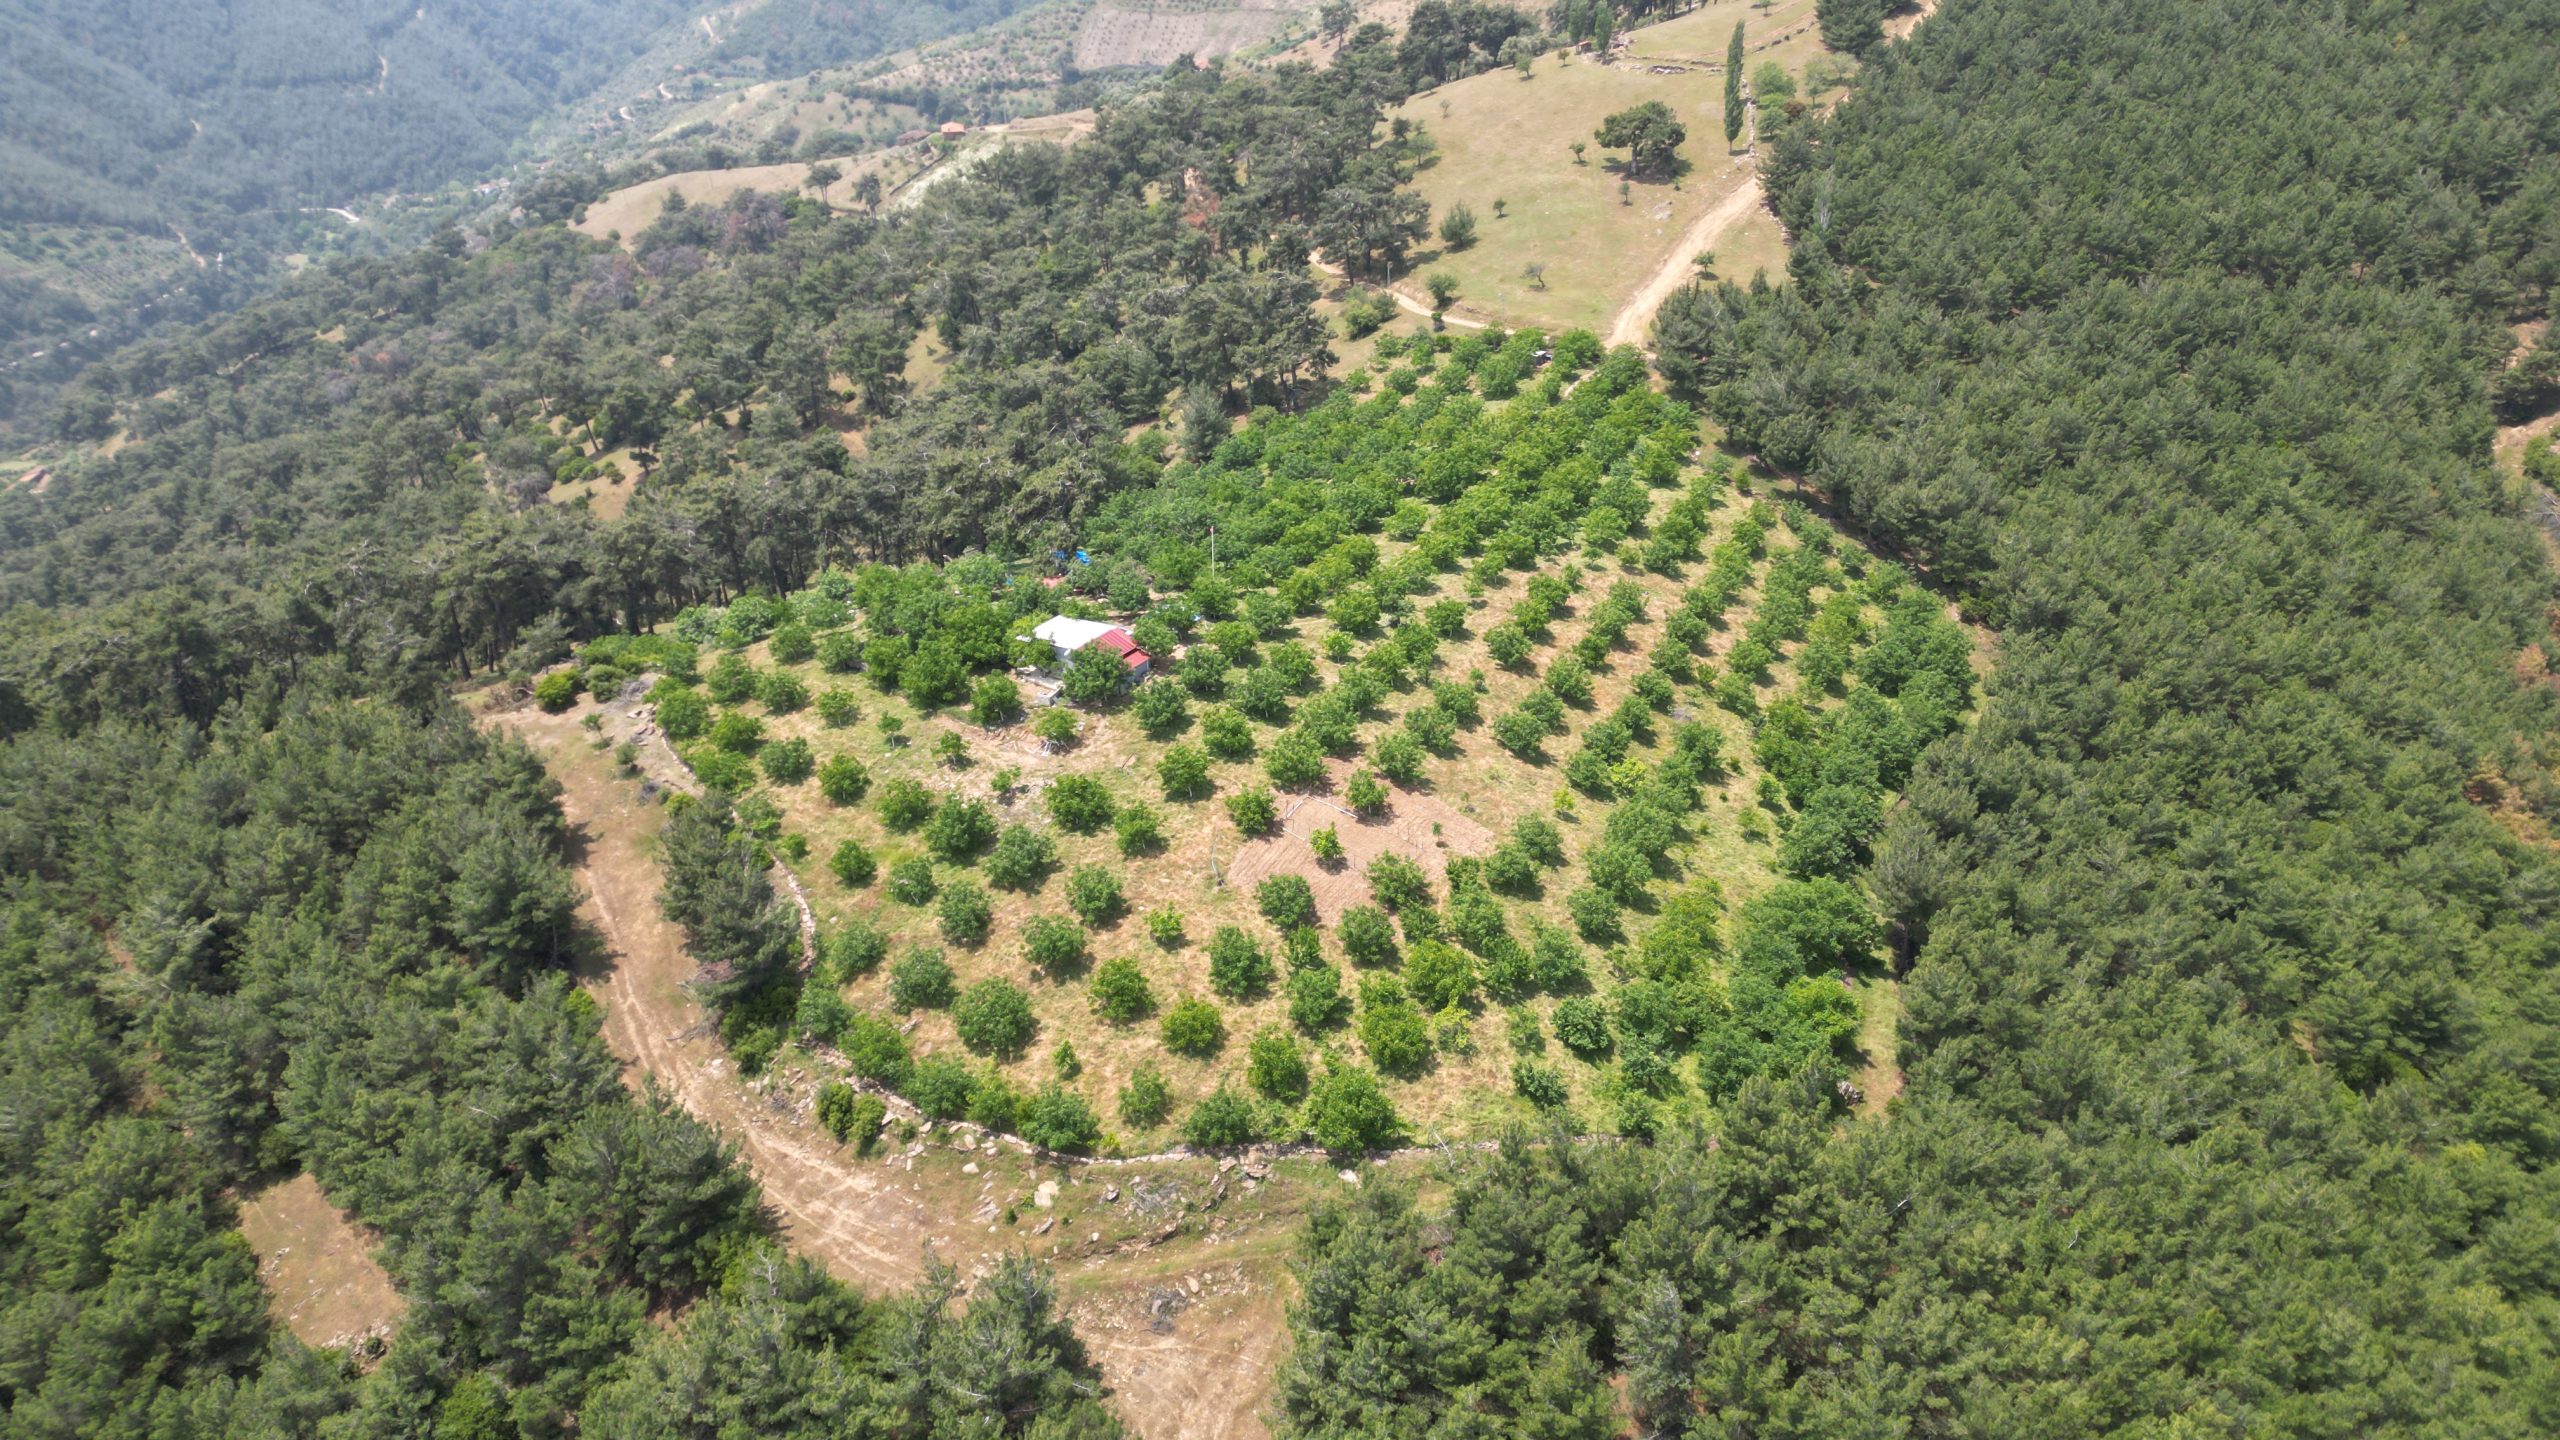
(1505,138)
(322,1280)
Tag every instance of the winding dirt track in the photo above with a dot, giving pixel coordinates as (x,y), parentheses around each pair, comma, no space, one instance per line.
(1205,1379)
(1676,270)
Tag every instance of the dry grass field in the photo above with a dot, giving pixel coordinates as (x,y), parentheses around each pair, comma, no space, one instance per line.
(322,1280)
(1505,138)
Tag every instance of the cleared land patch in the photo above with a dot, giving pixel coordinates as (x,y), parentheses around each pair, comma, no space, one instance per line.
(1505,138)
(1115,36)
(322,1279)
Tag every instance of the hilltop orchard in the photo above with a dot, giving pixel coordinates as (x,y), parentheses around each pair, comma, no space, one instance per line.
(1505,761)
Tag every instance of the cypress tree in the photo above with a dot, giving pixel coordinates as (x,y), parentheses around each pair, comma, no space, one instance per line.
(1733,86)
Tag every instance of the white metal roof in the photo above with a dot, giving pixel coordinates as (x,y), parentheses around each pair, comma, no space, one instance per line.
(1064,633)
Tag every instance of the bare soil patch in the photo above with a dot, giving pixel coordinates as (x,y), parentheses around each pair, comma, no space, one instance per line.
(1419,827)
(1153,35)
(322,1281)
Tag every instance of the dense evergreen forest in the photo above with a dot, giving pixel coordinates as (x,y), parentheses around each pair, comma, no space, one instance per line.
(2160,336)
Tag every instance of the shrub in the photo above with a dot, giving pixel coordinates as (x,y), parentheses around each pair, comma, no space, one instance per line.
(1294,761)
(781,693)
(683,714)
(875,1049)
(840,652)
(904,804)
(964,913)
(1160,708)
(852,865)
(838,706)
(995,700)
(1120,991)
(1287,901)
(1439,975)
(1555,961)
(1058,1119)
(1539,840)
(850,1115)
(1509,645)
(1140,830)
(1080,804)
(922,981)
(730,680)
(1055,728)
(942,1087)
(843,780)
(1399,883)
(1193,1027)
(1327,845)
(993,1103)
(1399,758)
(1365,794)
(911,882)
(1392,1029)
(1595,914)
(721,771)
(786,762)
(1538,1083)
(1226,734)
(1347,1112)
(855,949)
(1094,894)
(1165,927)
(793,644)
(1222,1118)
(1184,771)
(1316,1001)
(960,829)
(993,1017)
(1054,944)
(738,734)
(1583,1026)
(1145,1100)
(1367,936)
(1021,859)
(1253,810)
(1275,1067)
(556,691)
(1238,968)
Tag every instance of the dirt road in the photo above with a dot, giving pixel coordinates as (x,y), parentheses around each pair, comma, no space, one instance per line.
(1636,316)
(1186,1327)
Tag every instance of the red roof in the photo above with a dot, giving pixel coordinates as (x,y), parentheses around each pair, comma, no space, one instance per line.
(1119,643)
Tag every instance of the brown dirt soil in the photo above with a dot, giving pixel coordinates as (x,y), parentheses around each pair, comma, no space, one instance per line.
(322,1280)
(1141,35)
(1196,1367)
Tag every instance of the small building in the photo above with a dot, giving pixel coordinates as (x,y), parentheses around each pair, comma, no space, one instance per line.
(1065,636)
(953,129)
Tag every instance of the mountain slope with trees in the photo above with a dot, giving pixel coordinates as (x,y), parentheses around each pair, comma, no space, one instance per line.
(2234,1027)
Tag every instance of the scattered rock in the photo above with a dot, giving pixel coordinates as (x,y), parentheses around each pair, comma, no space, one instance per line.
(1046,1195)
(969,1169)
(1350,1177)
(1111,1196)
(1043,1227)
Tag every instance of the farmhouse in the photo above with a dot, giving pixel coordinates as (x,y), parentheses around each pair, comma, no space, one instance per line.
(1066,636)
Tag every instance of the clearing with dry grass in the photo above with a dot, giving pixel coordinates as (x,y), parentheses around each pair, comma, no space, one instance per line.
(318,1266)
(1508,139)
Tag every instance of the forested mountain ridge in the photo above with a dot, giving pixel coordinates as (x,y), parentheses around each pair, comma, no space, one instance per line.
(2233,1045)
(406,463)
(157,161)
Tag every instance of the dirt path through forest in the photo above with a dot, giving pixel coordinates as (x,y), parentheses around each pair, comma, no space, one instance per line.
(1185,1317)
